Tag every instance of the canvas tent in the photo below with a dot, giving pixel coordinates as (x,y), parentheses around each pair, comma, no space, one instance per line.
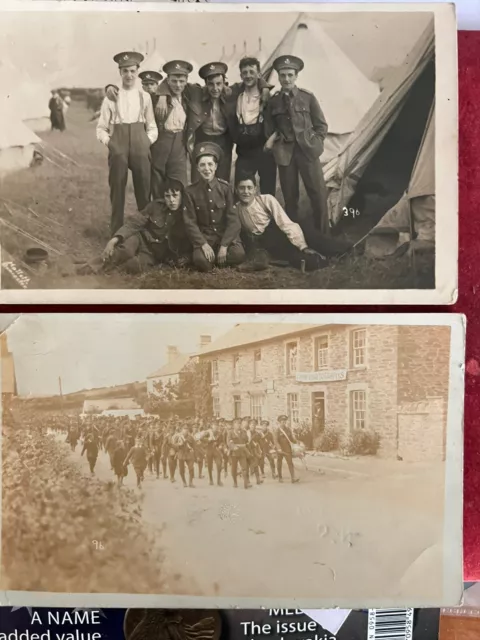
(343,91)
(17,142)
(27,97)
(392,146)
(415,211)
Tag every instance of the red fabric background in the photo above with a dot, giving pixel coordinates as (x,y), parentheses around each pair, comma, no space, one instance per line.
(468,301)
(469,285)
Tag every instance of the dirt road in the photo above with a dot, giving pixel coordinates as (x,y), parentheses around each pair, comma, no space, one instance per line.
(332,534)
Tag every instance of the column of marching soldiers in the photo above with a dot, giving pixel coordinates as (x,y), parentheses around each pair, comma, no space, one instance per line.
(242,447)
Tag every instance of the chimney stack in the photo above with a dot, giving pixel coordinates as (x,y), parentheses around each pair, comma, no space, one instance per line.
(204,341)
(172,353)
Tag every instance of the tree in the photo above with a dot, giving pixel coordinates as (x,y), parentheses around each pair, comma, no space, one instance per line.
(190,396)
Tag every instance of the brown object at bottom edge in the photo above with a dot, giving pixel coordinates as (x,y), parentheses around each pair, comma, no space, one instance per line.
(459,627)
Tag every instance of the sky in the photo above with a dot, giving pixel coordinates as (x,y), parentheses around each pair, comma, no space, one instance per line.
(96,350)
(64,47)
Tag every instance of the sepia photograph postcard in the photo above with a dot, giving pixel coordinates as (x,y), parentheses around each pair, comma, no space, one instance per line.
(244,460)
(228,153)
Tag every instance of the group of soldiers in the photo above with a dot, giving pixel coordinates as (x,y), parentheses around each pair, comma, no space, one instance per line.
(169,126)
(242,447)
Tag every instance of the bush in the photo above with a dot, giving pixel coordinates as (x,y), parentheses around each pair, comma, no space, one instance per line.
(329,440)
(52,513)
(360,442)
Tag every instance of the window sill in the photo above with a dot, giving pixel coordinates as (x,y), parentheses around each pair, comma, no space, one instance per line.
(257,380)
(362,367)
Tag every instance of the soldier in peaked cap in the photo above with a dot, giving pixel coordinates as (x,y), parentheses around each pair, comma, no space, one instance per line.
(284,438)
(172,108)
(127,127)
(150,81)
(296,131)
(211,221)
(211,116)
(169,153)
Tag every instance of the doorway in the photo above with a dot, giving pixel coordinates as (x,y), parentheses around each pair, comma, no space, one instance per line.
(318,413)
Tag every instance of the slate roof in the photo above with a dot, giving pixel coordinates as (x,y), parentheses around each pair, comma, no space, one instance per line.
(252,333)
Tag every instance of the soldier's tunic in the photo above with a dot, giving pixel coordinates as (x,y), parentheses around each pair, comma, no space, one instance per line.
(154,236)
(255,457)
(283,437)
(298,119)
(238,445)
(210,218)
(215,448)
(186,457)
(91,447)
(138,456)
(267,443)
(127,127)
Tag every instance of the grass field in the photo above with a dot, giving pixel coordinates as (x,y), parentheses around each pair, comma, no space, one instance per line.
(64,202)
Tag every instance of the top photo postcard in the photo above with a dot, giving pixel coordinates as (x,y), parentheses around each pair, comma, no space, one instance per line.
(228,154)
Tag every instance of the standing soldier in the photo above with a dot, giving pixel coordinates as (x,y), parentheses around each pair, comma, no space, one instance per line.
(254,450)
(210,116)
(215,452)
(91,447)
(127,127)
(138,456)
(238,444)
(211,221)
(200,444)
(155,442)
(169,153)
(172,453)
(296,129)
(186,455)
(250,99)
(284,438)
(118,459)
(268,446)
(167,434)
(225,431)
(73,436)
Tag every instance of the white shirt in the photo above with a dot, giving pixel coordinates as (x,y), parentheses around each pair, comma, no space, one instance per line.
(177,116)
(256,217)
(248,107)
(126,110)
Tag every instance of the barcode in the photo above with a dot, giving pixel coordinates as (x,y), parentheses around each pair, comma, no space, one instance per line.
(390,624)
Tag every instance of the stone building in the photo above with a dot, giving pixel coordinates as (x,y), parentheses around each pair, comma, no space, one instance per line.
(386,378)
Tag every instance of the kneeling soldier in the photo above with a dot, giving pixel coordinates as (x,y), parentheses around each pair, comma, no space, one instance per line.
(211,221)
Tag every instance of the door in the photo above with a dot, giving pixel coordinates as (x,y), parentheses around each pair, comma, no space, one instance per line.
(318,412)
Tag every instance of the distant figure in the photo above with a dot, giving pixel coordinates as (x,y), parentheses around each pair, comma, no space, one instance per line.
(57,117)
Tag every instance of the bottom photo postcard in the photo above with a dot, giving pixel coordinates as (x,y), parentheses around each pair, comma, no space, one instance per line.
(212,461)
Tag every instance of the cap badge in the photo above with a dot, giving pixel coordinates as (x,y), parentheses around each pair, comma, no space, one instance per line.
(177,66)
(202,149)
(125,57)
(148,76)
(212,66)
(287,61)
